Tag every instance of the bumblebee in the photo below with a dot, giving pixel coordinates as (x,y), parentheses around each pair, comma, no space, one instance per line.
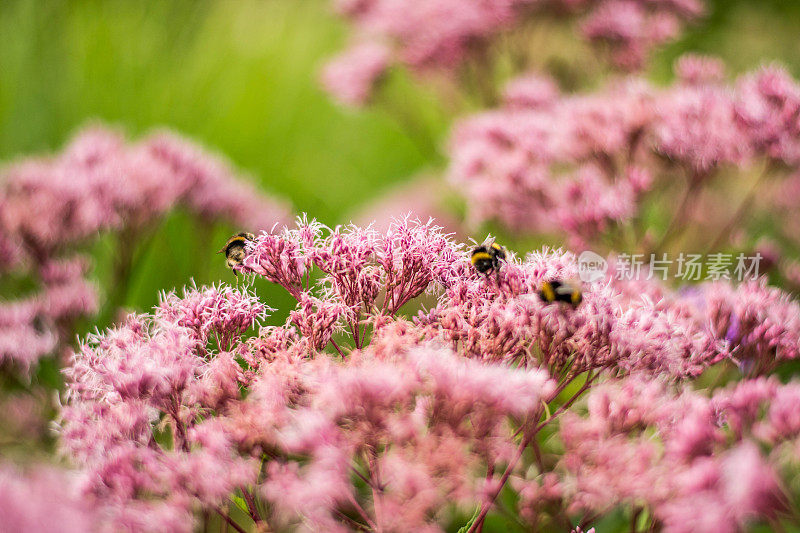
(234,249)
(486,257)
(560,291)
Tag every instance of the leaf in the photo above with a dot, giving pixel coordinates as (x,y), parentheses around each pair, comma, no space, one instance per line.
(471,521)
(240,503)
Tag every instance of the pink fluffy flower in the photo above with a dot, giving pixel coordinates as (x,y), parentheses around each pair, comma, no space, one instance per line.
(352,76)
(693,69)
(768,106)
(122,382)
(209,186)
(224,312)
(760,323)
(430,411)
(530,91)
(445,35)
(317,319)
(632,28)
(394,421)
(582,164)
(100,183)
(284,258)
(687,465)
(697,126)
(574,165)
(24,334)
(44,499)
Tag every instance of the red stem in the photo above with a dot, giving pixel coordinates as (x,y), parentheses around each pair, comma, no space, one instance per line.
(525,441)
(511,465)
(337,348)
(374,474)
(229,520)
(363,513)
(251,505)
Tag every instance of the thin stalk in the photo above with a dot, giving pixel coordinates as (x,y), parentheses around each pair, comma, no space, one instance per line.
(743,208)
(355,524)
(377,497)
(337,348)
(360,510)
(363,478)
(229,520)
(478,523)
(538,454)
(635,518)
(678,222)
(251,505)
(568,403)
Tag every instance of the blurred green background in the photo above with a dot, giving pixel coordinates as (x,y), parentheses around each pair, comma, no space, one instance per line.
(241,78)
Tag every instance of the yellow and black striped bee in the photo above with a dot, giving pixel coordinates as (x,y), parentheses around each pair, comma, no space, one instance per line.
(486,257)
(234,249)
(561,291)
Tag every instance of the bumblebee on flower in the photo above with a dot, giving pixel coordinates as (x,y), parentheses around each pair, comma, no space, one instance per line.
(486,257)
(234,250)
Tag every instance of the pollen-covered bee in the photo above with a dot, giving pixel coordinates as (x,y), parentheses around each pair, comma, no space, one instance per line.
(234,249)
(486,257)
(561,291)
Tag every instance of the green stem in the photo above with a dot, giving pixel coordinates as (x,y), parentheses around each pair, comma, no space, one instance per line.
(679,219)
(740,212)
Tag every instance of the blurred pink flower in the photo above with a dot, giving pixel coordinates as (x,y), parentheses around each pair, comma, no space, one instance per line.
(99,183)
(530,91)
(352,75)
(45,500)
(694,69)
(697,127)
(582,164)
(769,109)
(443,35)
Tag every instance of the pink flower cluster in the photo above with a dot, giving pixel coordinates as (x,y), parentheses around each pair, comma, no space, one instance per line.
(415,427)
(99,183)
(140,404)
(43,499)
(38,324)
(350,416)
(583,164)
(444,35)
(352,75)
(696,463)
(631,29)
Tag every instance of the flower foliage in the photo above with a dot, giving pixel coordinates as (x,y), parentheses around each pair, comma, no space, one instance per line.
(446,35)
(51,207)
(582,164)
(43,499)
(351,416)
(698,463)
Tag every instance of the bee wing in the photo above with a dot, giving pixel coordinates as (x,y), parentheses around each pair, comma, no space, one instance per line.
(564,288)
(568,286)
